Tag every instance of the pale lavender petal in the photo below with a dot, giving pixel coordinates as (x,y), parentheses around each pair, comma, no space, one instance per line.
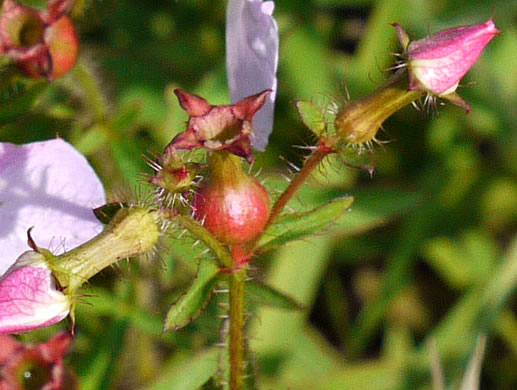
(28,296)
(51,187)
(252,59)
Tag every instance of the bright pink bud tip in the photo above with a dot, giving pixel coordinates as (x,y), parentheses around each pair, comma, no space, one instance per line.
(29,298)
(438,62)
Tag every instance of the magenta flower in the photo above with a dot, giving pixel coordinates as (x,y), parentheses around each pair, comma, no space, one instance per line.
(438,62)
(252,59)
(49,187)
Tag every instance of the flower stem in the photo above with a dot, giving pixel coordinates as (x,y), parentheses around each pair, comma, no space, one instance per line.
(237,311)
(323,149)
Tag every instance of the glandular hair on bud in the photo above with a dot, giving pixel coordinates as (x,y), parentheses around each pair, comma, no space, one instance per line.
(359,122)
(131,232)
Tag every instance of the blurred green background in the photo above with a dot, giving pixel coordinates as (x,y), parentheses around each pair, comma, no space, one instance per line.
(428,250)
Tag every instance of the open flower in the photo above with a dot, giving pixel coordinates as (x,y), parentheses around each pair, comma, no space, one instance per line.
(41,43)
(252,59)
(49,187)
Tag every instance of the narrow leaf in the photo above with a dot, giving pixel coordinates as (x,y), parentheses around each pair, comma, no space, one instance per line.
(192,303)
(269,296)
(201,233)
(301,225)
(188,373)
(472,375)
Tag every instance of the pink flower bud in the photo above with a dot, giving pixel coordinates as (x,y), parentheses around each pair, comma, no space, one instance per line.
(438,62)
(29,297)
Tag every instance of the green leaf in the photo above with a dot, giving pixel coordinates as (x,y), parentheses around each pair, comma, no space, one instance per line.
(16,106)
(297,226)
(357,158)
(192,303)
(312,116)
(269,296)
(201,233)
(187,372)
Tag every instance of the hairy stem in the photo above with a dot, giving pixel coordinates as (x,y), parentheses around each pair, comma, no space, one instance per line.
(312,162)
(237,322)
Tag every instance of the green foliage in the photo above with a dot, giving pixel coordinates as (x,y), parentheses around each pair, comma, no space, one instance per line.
(426,251)
(269,296)
(298,226)
(190,305)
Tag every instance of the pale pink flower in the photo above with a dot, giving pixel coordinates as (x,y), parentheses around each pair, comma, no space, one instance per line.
(51,187)
(252,59)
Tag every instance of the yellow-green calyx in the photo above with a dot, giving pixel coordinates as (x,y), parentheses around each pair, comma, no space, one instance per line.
(131,232)
(358,122)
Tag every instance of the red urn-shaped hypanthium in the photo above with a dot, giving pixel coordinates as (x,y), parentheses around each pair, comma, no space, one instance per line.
(232,205)
(42,43)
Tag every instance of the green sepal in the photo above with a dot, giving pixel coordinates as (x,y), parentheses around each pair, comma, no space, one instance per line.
(297,226)
(269,296)
(190,305)
(312,116)
(106,212)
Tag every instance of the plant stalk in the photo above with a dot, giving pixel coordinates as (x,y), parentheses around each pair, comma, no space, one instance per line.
(313,161)
(237,323)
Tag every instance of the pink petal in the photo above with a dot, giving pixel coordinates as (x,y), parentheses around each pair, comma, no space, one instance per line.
(439,61)
(28,296)
(51,186)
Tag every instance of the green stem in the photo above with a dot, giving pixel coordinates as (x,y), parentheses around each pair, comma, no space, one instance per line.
(237,322)
(94,96)
(313,161)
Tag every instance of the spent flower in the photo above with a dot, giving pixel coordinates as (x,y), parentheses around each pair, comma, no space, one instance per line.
(41,43)
(217,128)
(35,366)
